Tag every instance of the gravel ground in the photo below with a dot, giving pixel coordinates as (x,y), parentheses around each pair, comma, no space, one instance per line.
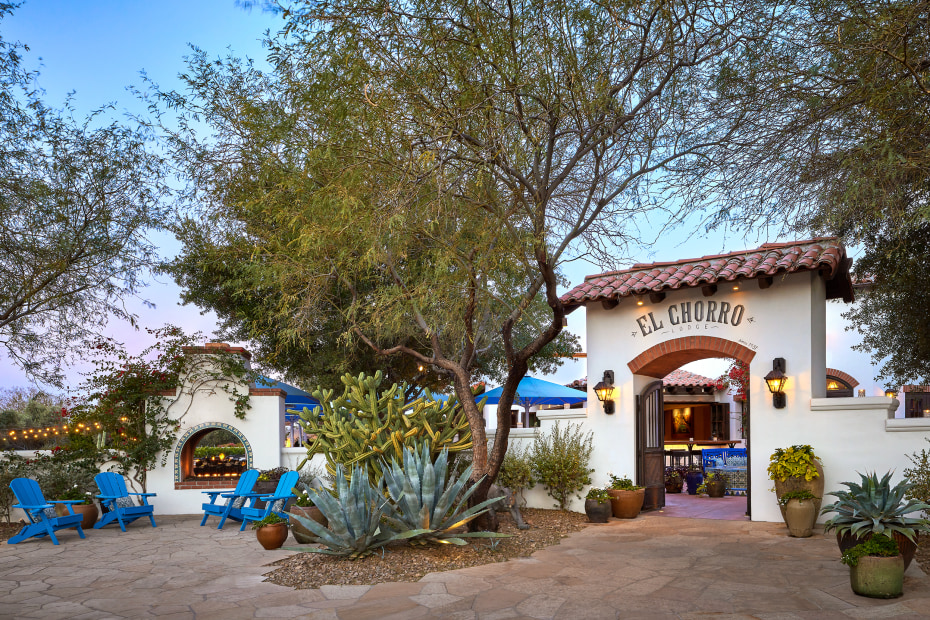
(402,562)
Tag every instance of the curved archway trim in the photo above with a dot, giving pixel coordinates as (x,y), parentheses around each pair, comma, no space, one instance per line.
(209,426)
(842,376)
(661,359)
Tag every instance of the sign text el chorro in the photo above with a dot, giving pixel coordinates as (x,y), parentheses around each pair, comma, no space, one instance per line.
(696,312)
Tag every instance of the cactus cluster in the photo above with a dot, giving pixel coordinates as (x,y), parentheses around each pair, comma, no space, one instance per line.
(367,427)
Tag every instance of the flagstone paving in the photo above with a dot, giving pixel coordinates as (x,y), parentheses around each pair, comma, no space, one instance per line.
(651,567)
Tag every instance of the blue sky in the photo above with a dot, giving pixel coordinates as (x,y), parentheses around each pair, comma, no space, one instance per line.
(97,48)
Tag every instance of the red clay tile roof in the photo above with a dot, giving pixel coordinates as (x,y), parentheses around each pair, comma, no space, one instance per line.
(683,378)
(825,254)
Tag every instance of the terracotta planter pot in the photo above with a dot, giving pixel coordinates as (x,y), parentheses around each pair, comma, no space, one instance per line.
(597,513)
(627,504)
(815,486)
(301,533)
(272,536)
(905,546)
(800,516)
(674,486)
(694,480)
(89,512)
(716,488)
(878,577)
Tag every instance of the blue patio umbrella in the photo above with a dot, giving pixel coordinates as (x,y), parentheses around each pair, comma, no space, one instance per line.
(295,399)
(534,392)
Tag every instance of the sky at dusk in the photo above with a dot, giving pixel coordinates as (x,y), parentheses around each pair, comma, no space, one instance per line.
(97,48)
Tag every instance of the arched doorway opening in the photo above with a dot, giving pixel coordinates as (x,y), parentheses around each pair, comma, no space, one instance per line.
(210,453)
(682,434)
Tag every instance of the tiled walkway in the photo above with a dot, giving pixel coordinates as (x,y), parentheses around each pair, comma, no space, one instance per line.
(703,507)
(651,567)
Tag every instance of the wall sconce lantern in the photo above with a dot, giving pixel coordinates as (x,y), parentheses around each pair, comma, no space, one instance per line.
(891,393)
(776,382)
(605,391)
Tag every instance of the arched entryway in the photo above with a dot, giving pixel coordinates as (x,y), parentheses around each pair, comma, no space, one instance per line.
(185,476)
(661,359)
(657,362)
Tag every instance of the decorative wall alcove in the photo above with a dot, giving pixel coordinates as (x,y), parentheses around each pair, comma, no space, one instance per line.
(184,473)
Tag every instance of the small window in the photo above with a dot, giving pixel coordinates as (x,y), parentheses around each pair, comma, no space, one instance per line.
(917,404)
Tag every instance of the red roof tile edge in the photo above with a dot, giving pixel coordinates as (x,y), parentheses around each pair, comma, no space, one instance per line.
(825,253)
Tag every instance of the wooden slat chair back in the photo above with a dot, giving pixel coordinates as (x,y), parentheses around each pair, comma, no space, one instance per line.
(235,500)
(116,498)
(273,503)
(41,513)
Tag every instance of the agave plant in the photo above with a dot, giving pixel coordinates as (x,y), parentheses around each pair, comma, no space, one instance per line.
(355,516)
(875,507)
(424,503)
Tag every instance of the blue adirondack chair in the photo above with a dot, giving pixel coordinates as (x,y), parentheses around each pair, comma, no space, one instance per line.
(235,500)
(116,498)
(41,513)
(273,503)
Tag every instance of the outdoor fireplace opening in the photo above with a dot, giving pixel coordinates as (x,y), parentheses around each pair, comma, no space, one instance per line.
(211,454)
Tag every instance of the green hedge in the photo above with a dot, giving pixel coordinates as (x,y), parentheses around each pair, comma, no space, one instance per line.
(201,452)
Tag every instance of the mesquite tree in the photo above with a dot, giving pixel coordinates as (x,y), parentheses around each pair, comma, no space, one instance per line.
(429,166)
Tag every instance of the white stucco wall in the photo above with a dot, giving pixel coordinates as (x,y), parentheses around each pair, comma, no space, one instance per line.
(786,320)
(262,428)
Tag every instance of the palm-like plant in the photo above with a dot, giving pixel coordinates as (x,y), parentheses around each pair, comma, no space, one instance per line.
(355,516)
(875,507)
(424,504)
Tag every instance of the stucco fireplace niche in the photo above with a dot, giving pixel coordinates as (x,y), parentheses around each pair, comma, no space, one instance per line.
(191,473)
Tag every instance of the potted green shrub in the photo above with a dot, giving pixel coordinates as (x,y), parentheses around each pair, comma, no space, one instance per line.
(673,480)
(876,507)
(271,531)
(800,512)
(876,568)
(715,485)
(597,505)
(796,468)
(626,499)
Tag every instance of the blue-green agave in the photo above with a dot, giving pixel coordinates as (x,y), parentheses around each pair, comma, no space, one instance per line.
(355,516)
(424,504)
(875,507)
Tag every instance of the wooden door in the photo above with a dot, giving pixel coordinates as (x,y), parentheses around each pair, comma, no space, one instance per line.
(650,445)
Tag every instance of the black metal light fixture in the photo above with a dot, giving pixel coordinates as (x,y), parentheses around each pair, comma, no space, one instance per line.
(891,393)
(776,382)
(605,391)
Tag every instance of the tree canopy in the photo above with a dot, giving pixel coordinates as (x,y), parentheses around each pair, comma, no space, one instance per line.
(427,167)
(841,147)
(76,199)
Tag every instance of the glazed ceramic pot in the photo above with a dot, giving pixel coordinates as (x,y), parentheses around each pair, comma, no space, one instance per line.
(800,516)
(597,512)
(694,480)
(272,536)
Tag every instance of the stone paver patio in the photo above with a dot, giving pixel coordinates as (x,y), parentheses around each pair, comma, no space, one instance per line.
(652,567)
